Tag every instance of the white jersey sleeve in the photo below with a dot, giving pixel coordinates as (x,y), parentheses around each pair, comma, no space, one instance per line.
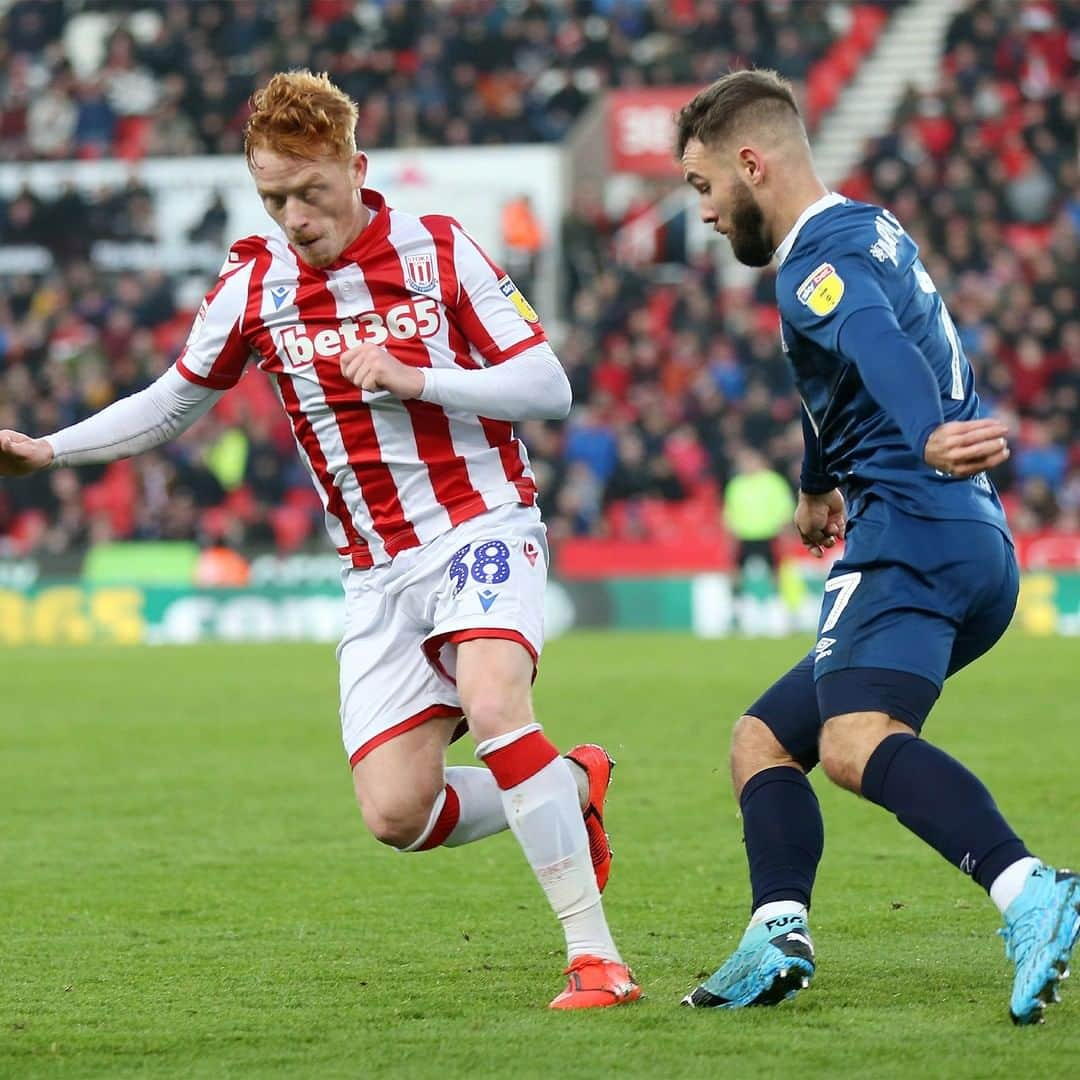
(216,350)
(495,317)
(134,424)
(534,387)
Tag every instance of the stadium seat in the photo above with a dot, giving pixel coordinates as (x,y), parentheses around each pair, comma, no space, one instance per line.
(241,504)
(131,137)
(867,22)
(115,495)
(305,499)
(27,529)
(822,91)
(215,522)
(292,526)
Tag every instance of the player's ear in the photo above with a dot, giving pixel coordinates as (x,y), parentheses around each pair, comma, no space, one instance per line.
(751,165)
(359,167)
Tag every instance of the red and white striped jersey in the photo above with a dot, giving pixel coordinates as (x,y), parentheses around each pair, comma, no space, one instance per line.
(392,474)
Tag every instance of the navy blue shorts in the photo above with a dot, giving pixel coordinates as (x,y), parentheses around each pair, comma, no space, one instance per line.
(912,601)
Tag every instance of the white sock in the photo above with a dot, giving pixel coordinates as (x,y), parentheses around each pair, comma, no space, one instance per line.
(1009,884)
(544,815)
(775,909)
(429,828)
(581,778)
(482,812)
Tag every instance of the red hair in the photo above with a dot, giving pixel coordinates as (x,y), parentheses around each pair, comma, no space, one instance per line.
(302,115)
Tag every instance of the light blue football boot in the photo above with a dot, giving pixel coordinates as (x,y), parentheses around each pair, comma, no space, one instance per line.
(1041,927)
(774,960)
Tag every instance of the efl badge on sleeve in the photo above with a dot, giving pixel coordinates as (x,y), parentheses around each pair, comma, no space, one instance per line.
(514,295)
(420,272)
(822,290)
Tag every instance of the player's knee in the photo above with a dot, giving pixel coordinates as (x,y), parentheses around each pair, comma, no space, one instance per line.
(754,748)
(492,712)
(838,763)
(397,823)
(848,742)
(845,747)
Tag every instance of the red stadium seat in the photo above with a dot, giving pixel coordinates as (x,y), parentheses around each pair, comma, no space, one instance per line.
(115,495)
(303,498)
(131,137)
(291,527)
(215,522)
(27,529)
(241,504)
(823,89)
(867,21)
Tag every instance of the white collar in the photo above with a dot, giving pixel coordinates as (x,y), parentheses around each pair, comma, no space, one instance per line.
(833,198)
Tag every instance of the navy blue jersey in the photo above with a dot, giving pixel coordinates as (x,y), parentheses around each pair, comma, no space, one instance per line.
(849,258)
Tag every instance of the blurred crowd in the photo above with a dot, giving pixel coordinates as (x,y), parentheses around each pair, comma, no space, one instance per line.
(105,78)
(69,224)
(678,377)
(985,175)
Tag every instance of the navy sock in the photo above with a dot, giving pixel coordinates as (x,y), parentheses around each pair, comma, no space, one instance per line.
(942,803)
(783,834)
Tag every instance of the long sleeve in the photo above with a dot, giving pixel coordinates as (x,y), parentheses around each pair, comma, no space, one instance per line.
(814,478)
(530,386)
(167,407)
(894,372)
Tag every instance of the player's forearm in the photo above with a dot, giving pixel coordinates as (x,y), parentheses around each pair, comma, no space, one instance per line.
(530,386)
(134,424)
(814,477)
(895,373)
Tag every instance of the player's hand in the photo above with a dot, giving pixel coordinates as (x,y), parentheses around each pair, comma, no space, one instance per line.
(821,520)
(963,448)
(20,455)
(373,369)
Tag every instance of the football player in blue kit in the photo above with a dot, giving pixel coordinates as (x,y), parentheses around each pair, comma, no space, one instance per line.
(895,460)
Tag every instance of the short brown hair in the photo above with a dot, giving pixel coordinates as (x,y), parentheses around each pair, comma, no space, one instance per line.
(302,115)
(754,97)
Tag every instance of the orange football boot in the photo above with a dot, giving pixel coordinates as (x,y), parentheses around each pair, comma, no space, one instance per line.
(597,984)
(598,765)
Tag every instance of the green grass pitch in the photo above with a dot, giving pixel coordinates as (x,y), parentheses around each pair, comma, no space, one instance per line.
(186,888)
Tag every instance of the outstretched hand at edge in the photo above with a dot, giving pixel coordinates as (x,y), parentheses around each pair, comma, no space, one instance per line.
(21,455)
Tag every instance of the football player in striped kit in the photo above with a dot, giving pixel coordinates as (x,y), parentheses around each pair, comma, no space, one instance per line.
(402,356)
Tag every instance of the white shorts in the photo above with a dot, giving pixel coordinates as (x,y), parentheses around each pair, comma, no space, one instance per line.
(403,621)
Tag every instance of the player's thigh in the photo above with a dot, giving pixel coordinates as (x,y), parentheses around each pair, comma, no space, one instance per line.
(494,681)
(397,781)
(491,598)
(994,587)
(789,709)
(388,688)
(849,739)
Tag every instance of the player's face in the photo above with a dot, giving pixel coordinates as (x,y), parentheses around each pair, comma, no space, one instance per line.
(315,202)
(728,204)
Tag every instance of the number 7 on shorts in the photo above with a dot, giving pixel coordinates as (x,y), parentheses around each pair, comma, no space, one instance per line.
(844,585)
